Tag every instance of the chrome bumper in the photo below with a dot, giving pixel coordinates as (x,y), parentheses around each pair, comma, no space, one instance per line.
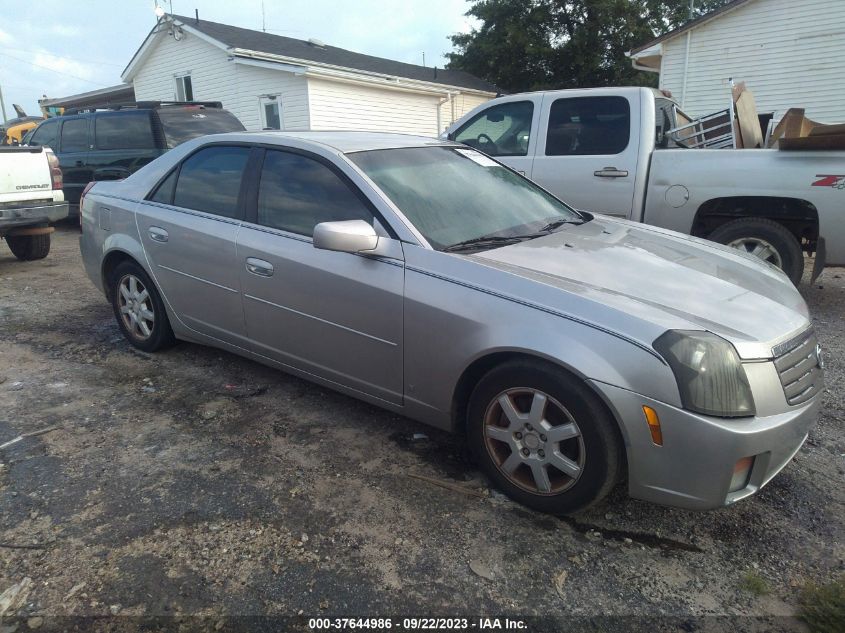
(694,467)
(33,215)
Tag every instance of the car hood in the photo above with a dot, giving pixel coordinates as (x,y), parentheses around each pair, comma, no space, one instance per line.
(674,280)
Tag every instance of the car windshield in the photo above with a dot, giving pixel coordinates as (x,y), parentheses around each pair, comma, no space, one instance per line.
(455,194)
(183,124)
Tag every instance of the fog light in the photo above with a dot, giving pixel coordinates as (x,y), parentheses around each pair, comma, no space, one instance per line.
(653,425)
(742,473)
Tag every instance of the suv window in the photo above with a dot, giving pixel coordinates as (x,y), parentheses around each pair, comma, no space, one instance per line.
(75,135)
(123,130)
(210,180)
(181,124)
(296,193)
(580,126)
(45,134)
(501,130)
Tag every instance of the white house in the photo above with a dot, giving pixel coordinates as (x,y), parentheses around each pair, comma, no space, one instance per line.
(269,81)
(790,53)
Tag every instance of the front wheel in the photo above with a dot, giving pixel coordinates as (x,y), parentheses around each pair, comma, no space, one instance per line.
(767,240)
(543,437)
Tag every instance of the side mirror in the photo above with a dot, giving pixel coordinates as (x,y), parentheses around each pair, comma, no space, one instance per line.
(347,236)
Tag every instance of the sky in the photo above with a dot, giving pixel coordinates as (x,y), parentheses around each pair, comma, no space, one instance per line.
(59,48)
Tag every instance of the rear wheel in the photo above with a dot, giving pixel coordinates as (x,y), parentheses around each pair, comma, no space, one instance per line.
(139,309)
(29,247)
(768,240)
(543,437)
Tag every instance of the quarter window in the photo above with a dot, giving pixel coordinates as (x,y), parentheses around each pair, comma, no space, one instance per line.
(210,180)
(75,135)
(501,130)
(296,193)
(580,126)
(46,134)
(129,130)
(164,192)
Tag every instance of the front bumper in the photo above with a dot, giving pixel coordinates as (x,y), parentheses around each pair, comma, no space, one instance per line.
(694,467)
(31,215)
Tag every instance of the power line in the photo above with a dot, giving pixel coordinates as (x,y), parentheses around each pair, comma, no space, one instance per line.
(60,72)
(72,59)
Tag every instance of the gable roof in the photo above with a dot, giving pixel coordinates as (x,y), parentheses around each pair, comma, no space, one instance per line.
(268,43)
(730,6)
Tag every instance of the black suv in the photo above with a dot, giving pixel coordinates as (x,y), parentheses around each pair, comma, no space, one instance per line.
(109,144)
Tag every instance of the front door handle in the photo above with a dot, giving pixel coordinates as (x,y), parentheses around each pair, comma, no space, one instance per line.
(611,172)
(158,234)
(259,267)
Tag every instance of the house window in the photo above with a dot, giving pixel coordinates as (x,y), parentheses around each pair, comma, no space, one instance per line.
(271,112)
(184,88)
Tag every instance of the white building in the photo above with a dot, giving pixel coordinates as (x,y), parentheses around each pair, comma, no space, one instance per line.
(790,53)
(269,81)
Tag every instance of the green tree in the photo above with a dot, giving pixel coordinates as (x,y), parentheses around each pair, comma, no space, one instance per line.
(543,44)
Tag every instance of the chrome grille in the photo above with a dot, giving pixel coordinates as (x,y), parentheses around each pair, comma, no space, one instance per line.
(799,368)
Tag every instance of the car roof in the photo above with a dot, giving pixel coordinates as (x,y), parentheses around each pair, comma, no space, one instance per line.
(343,141)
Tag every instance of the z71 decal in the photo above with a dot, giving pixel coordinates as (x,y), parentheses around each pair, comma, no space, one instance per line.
(837,182)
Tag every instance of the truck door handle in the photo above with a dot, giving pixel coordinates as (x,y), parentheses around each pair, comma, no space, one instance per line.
(259,267)
(79,163)
(611,172)
(158,234)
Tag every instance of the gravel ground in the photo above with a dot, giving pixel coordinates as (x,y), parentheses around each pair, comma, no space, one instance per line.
(197,483)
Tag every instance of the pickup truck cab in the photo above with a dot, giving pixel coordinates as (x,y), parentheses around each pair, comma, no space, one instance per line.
(608,150)
(31,199)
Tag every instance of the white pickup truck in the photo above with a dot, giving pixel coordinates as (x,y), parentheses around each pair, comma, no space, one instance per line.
(31,199)
(607,150)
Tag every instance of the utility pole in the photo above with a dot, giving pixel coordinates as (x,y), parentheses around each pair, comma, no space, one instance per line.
(3,107)
(263,18)
(423,58)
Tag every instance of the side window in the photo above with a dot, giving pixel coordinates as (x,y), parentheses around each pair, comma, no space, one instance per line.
(45,134)
(126,130)
(75,135)
(297,193)
(184,88)
(501,130)
(164,192)
(580,126)
(210,180)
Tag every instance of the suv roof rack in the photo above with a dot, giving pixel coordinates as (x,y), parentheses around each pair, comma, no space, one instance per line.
(143,105)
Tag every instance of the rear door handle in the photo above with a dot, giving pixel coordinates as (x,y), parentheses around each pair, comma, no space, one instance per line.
(259,267)
(158,234)
(611,172)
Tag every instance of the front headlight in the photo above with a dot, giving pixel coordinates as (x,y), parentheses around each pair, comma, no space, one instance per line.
(710,375)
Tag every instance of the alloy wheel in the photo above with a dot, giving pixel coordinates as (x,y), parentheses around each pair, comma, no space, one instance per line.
(136,307)
(758,248)
(534,441)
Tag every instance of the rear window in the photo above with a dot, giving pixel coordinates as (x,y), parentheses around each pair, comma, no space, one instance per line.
(183,124)
(124,130)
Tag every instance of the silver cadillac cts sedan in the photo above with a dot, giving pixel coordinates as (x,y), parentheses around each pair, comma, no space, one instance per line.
(573,350)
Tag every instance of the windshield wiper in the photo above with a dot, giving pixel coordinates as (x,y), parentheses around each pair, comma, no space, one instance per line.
(487,240)
(551,226)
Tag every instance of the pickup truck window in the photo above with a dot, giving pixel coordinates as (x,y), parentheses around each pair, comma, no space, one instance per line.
(581,126)
(75,135)
(210,180)
(124,130)
(502,130)
(45,134)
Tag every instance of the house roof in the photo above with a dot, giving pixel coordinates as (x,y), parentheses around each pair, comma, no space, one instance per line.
(730,6)
(259,41)
(122,93)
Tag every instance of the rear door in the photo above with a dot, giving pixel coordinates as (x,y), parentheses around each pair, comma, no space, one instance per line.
(335,315)
(189,226)
(587,152)
(123,143)
(505,130)
(74,148)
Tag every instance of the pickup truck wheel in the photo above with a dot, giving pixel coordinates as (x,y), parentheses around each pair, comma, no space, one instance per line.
(29,247)
(766,239)
(543,437)
(139,309)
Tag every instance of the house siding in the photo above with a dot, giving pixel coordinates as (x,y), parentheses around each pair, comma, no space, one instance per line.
(215,78)
(790,54)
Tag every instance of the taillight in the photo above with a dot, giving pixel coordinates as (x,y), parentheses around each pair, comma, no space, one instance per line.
(55,170)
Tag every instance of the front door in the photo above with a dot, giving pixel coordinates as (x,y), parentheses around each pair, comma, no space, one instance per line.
(587,154)
(189,228)
(335,315)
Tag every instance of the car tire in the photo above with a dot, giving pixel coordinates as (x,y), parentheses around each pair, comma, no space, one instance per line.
(766,239)
(139,309)
(29,247)
(556,426)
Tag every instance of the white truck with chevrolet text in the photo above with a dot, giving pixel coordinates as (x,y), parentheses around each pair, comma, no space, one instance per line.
(610,150)
(31,199)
